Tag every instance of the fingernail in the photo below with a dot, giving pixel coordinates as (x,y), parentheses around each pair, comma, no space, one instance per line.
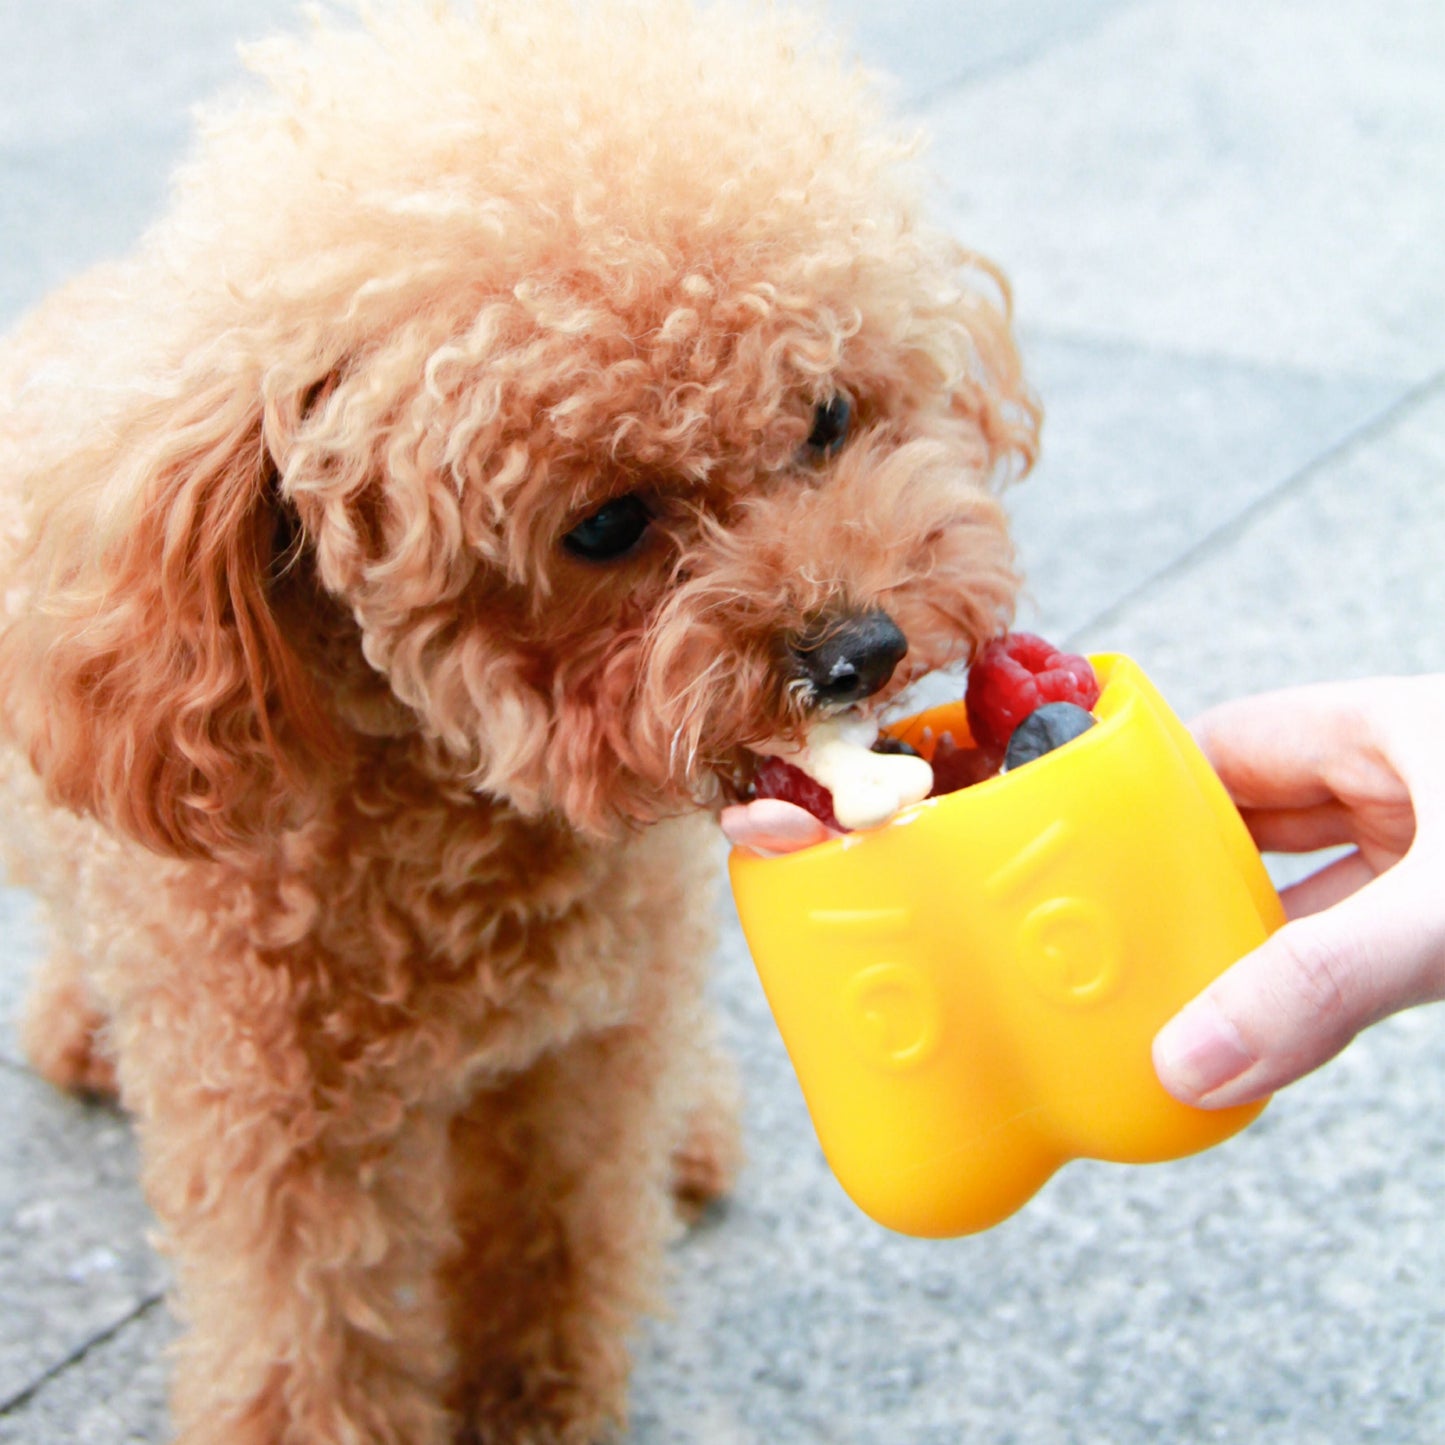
(1199,1050)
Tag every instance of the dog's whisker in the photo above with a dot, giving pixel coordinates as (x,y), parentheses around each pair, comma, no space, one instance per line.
(692,729)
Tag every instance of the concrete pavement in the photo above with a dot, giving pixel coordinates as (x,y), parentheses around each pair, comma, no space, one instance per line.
(1224,227)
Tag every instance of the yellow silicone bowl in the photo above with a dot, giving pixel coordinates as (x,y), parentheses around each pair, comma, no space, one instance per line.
(969,993)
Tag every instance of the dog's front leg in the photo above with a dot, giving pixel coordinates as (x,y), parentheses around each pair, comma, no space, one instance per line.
(563,1200)
(564,1186)
(303,1195)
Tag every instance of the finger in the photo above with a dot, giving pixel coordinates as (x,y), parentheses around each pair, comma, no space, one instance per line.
(1412,720)
(1300,997)
(769,825)
(1274,750)
(1330,885)
(1300,830)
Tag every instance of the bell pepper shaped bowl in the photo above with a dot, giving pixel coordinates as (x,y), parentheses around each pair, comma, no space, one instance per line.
(969,993)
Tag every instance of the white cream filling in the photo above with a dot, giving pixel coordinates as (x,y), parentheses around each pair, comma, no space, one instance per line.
(867,787)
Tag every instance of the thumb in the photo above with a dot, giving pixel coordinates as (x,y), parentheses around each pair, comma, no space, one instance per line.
(1300,997)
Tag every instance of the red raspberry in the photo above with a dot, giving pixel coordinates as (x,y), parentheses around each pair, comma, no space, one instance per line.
(777,778)
(1016,673)
(957,767)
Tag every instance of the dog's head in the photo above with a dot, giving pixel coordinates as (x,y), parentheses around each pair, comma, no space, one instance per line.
(581,396)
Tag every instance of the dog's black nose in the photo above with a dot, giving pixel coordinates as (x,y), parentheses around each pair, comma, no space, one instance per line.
(846,659)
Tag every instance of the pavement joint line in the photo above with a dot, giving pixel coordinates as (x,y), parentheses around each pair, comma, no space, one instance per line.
(1124,345)
(931,96)
(1394,412)
(23,1396)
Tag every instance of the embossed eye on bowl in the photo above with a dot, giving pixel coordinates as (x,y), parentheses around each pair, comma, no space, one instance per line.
(969,993)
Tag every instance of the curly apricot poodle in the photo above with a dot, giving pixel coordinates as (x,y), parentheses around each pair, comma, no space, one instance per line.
(403,554)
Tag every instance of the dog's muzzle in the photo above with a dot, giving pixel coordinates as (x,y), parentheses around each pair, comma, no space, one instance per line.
(843,660)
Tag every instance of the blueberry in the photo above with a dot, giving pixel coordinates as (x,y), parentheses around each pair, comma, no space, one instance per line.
(1044,729)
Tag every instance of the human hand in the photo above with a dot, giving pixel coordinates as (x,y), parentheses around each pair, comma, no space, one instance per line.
(1359,763)
(771,827)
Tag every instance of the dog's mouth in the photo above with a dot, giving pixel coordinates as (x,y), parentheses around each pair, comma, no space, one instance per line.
(843,775)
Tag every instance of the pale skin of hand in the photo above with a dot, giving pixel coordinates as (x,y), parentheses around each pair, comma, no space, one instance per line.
(1356,763)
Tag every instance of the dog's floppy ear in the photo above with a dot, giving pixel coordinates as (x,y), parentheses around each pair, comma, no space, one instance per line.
(147,674)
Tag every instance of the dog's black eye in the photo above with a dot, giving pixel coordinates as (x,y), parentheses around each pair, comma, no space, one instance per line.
(831,420)
(612,531)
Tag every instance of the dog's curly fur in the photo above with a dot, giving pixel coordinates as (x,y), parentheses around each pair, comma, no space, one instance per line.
(372,820)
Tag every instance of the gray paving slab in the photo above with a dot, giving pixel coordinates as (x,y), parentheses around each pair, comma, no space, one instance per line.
(1339,575)
(1146,452)
(923,48)
(1257,184)
(114,1394)
(94,101)
(80,70)
(20,944)
(74,1261)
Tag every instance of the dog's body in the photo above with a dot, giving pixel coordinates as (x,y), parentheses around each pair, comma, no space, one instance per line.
(401,556)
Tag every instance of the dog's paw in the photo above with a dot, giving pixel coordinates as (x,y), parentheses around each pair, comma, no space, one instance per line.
(557,1414)
(706,1163)
(63,1033)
